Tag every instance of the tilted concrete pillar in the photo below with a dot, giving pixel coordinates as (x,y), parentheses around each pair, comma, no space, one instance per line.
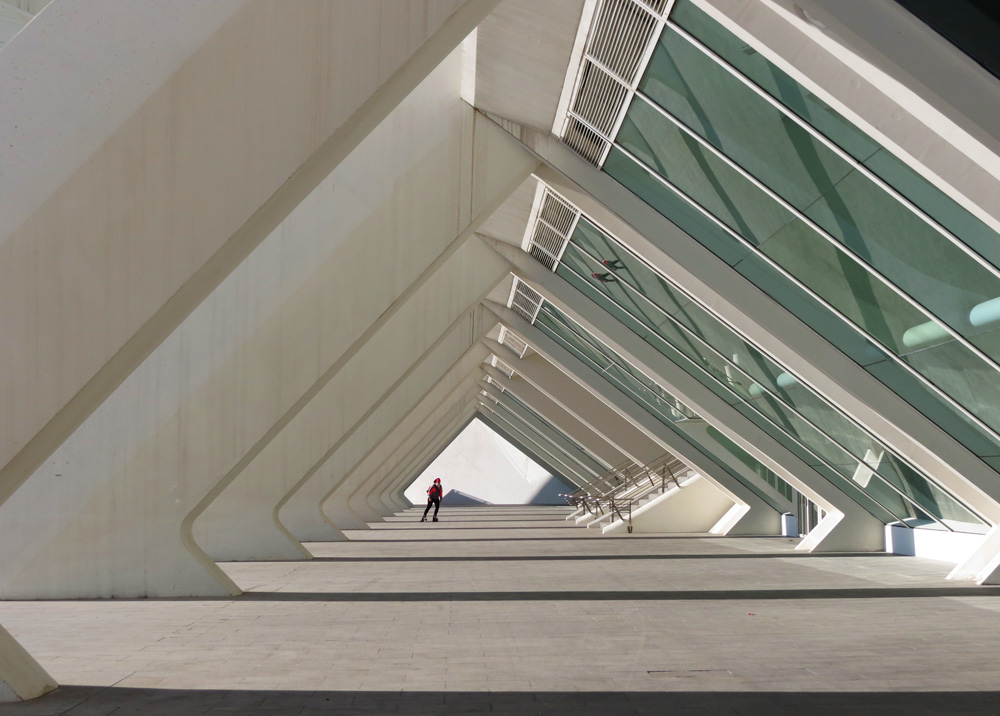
(172,201)
(589,409)
(846,526)
(21,677)
(567,422)
(413,453)
(758,517)
(553,453)
(180,429)
(238,524)
(300,510)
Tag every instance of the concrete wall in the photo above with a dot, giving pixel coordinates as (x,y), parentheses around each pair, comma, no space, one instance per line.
(121,493)
(484,467)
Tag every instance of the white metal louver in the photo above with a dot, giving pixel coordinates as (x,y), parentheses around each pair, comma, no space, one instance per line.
(526,301)
(554,224)
(618,47)
(513,342)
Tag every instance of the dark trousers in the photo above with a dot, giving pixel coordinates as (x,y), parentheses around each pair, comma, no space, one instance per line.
(437,505)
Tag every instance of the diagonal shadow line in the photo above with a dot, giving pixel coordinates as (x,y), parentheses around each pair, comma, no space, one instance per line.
(377,527)
(627,596)
(583,537)
(601,557)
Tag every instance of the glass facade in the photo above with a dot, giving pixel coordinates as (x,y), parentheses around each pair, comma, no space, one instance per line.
(534,435)
(570,446)
(608,364)
(833,227)
(664,316)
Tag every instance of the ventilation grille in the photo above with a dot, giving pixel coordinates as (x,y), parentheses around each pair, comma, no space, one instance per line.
(514,343)
(503,367)
(657,6)
(557,213)
(600,99)
(556,221)
(584,141)
(526,301)
(619,42)
(620,36)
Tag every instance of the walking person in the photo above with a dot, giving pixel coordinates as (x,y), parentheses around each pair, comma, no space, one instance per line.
(434,493)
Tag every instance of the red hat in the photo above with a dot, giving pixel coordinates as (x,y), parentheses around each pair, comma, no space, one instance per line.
(437,479)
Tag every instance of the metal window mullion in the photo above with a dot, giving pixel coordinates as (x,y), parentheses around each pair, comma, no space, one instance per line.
(795,439)
(823,233)
(743,337)
(877,342)
(572,229)
(822,138)
(548,439)
(576,444)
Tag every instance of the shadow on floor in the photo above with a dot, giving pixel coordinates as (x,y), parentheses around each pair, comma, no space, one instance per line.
(165,702)
(619,596)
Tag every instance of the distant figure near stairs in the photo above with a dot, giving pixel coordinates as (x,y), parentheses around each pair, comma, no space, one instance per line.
(434,493)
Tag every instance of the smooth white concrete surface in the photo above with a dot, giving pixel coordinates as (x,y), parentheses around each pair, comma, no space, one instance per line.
(589,409)
(696,506)
(300,511)
(210,393)
(728,294)
(185,190)
(952,547)
(75,75)
(760,519)
(480,466)
(593,441)
(21,677)
(243,512)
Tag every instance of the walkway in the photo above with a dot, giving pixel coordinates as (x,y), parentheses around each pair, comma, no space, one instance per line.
(513,610)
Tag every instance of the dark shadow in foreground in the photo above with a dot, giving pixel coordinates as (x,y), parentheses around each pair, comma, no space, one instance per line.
(95,701)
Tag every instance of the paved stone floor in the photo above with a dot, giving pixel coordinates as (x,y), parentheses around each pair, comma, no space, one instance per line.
(513,610)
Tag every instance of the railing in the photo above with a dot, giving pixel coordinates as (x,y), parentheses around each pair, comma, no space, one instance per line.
(616,492)
(652,481)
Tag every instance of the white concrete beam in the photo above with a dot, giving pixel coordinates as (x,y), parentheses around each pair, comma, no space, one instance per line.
(758,518)
(186,189)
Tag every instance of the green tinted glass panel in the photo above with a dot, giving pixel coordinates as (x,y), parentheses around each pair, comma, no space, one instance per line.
(772,80)
(700,174)
(698,343)
(641,182)
(732,117)
(900,244)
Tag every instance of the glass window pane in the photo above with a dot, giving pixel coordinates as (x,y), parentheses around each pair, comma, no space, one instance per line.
(772,80)
(641,182)
(700,174)
(732,117)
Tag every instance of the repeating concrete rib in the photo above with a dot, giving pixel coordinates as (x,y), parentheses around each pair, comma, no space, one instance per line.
(169,197)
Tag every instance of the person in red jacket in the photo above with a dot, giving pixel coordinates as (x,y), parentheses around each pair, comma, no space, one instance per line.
(434,493)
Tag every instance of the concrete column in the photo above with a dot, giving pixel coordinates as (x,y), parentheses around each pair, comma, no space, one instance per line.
(758,517)
(554,384)
(239,524)
(770,326)
(442,424)
(568,423)
(185,189)
(242,367)
(300,510)
(21,677)
(552,432)
(552,452)
(849,526)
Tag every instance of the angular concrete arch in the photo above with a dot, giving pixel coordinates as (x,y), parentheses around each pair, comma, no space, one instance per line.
(581,433)
(846,526)
(160,239)
(757,516)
